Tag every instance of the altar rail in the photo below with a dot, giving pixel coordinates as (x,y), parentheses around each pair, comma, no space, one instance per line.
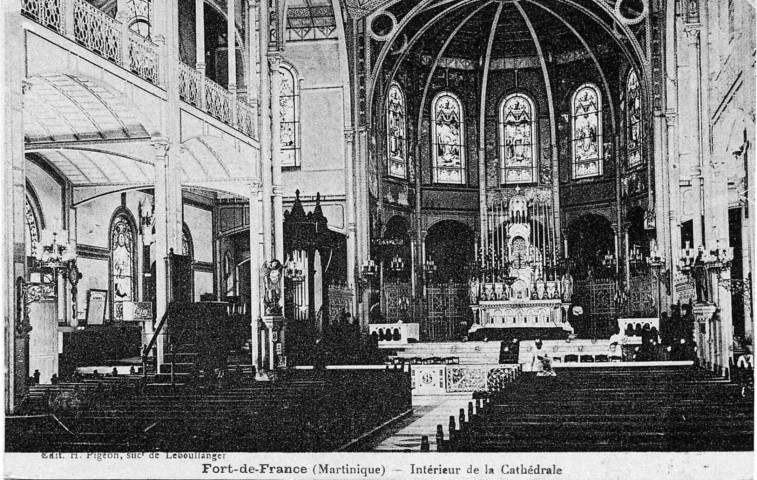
(451,379)
(575,351)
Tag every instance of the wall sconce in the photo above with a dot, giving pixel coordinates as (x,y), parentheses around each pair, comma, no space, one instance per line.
(397,265)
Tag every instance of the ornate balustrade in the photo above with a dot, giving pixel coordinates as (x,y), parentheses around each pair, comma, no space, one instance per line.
(45,12)
(143,57)
(218,102)
(190,88)
(98,32)
(247,119)
(107,37)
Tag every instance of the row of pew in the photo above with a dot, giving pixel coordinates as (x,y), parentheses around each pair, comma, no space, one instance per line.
(306,411)
(607,409)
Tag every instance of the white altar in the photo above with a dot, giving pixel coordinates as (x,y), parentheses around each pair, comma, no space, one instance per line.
(518,284)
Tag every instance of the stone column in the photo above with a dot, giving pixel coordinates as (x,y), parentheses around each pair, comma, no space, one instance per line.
(264,114)
(14,201)
(200,48)
(274,60)
(256,253)
(349,137)
(161,240)
(231,42)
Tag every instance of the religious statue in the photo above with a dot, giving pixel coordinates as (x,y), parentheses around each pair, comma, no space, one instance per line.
(474,286)
(272,280)
(567,286)
(701,278)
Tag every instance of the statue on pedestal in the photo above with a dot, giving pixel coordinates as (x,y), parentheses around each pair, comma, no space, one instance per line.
(566,282)
(272,281)
(701,279)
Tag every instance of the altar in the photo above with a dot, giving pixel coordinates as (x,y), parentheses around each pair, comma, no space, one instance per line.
(516,283)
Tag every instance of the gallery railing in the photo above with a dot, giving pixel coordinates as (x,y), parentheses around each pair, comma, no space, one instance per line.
(112,40)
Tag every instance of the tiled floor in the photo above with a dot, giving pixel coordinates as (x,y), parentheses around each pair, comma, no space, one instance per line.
(428,412)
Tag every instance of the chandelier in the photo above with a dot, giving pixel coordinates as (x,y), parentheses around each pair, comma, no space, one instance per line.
(54,254)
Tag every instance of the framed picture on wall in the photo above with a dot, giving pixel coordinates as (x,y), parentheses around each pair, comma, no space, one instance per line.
(97,302)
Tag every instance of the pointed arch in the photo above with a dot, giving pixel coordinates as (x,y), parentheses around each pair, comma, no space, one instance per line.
(396,132)
(448,139)
(517,139)
(586,127)
(123,248)
(289,101)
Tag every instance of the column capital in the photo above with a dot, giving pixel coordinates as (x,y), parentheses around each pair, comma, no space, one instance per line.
(161,146)
(26,86)
(278,190)
(256,186)
(349,134)
(274,60)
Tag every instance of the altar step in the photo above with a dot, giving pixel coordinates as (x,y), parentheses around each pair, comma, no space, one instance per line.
(466,353)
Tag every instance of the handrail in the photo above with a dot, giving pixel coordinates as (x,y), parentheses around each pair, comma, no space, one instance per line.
(154,339)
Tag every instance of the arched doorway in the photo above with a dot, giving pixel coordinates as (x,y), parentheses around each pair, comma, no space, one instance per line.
(590,240)
(449,244)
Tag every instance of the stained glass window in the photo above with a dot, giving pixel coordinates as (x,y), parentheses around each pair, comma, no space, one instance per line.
(138,12)
(633,120)
(587,132)
(448,155)
(396,132)
(122,258)
(289,102)
(32,230)
(517,140)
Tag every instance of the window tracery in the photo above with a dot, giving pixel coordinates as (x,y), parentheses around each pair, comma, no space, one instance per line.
(517,139)
(289,103)
(587,132)
(448,154)
(396,132)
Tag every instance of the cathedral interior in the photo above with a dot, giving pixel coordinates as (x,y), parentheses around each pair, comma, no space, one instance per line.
(432,193)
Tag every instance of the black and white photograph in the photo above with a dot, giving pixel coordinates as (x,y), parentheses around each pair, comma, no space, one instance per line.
(363,239)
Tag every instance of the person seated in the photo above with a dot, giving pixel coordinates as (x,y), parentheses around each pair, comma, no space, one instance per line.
(542,362)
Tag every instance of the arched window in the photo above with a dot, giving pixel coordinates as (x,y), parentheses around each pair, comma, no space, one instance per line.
(289,101)
(634,133)
(448,155)
(138,12)
(187,246)
(32,229)
(396,132)
(587,131)
(122,257)
(517,139)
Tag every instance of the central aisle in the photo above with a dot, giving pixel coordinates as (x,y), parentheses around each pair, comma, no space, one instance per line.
(428,412)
